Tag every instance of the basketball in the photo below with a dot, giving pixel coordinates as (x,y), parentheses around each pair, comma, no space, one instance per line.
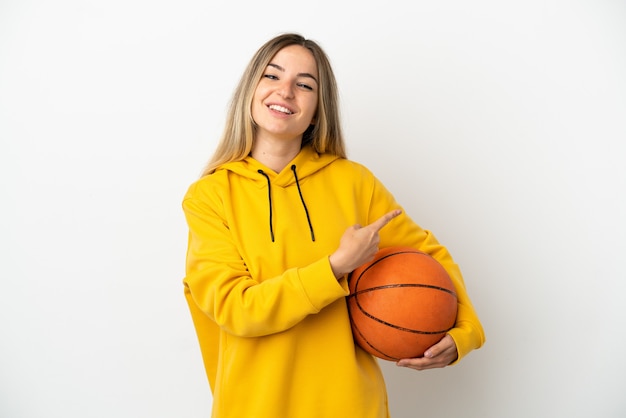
(400,304)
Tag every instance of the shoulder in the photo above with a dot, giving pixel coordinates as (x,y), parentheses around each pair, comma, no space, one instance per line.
(345,170)
(351,167)
(208,187)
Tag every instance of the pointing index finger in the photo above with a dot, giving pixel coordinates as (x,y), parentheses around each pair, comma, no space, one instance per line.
(378,224)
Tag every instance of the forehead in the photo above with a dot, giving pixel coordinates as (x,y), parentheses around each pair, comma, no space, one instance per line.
(295,58)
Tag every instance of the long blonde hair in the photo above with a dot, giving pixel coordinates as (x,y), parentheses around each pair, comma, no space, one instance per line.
(325,136)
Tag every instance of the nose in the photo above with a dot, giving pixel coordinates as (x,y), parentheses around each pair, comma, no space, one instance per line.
(285,90)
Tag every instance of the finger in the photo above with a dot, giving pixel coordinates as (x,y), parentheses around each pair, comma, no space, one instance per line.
(432,352)
(421,364)
(445,345)
(424,363)
(378,224)
(415,363)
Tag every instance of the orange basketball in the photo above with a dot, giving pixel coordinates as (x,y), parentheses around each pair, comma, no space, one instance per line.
(400,303)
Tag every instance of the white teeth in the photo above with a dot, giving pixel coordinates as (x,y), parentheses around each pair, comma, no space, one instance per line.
(280,109)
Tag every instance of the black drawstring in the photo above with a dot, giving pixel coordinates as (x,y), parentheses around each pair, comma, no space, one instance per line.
(293,168)
(269,193)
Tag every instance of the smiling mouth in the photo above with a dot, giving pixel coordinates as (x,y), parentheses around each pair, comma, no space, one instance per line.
(281,109)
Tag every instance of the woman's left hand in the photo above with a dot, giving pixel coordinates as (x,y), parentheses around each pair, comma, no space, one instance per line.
(439,355)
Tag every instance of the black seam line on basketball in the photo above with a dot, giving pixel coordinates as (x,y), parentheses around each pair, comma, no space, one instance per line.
(416,252)
(355,327)
(391,286)
(414,331)
(374,348)
(399,328)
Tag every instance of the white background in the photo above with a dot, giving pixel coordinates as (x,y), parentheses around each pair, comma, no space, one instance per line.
(500,126)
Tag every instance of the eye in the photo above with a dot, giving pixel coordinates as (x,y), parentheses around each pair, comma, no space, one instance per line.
(270,76)
(305,86)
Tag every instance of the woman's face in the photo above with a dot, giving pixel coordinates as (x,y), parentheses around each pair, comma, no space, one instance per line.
(285,100)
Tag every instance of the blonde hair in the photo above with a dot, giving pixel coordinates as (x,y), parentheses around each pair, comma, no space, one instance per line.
(325,136)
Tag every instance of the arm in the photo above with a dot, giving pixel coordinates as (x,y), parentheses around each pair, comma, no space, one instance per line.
(222,289)
(467,333)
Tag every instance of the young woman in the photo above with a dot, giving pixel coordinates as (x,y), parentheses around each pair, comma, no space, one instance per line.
(276,223)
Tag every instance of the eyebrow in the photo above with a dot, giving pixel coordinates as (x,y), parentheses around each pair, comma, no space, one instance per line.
(308,75)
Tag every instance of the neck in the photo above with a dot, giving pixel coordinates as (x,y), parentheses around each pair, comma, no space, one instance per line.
(275,155)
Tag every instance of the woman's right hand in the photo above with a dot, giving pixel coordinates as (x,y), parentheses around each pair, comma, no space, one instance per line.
(358,245)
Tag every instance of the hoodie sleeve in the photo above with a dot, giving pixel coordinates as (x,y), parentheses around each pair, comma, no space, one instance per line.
(468,332)
(219,284)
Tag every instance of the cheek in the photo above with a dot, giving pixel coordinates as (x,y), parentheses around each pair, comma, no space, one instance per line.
(313,111)
(256,104)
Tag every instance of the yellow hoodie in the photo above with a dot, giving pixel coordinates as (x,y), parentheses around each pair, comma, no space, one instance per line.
(270,316)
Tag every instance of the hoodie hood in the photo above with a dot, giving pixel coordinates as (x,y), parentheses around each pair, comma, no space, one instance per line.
(305,164)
